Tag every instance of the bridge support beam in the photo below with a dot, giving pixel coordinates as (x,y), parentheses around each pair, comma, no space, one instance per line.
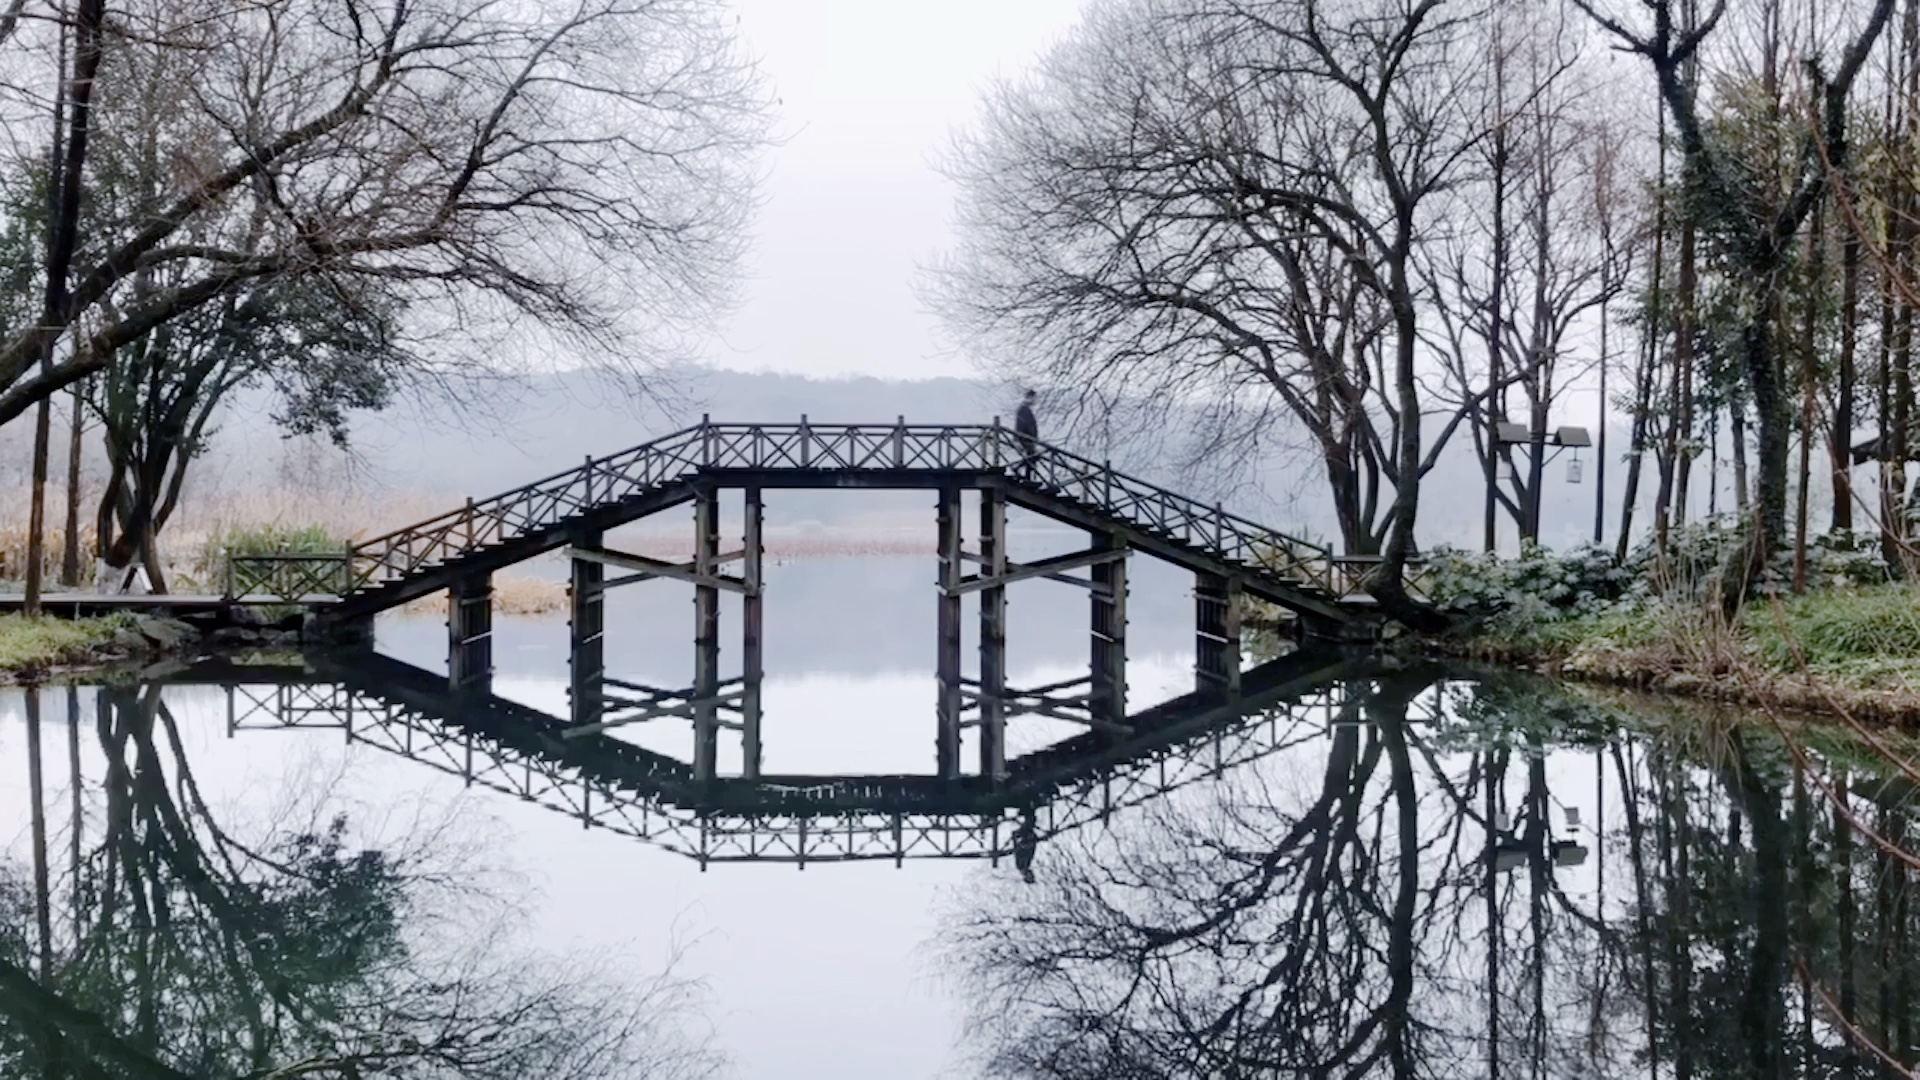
(470,633)
(706,635)
(752,668)
(947,518)
(1108,699)
(586,633)
(993,635)
(1217,638)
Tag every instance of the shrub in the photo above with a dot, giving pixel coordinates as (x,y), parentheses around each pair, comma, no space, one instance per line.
(1699,553)
(1839,559)
(266,539)
(1517,595)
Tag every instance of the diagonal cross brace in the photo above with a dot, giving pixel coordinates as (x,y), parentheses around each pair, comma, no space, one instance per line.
(646,569)
(1047,568)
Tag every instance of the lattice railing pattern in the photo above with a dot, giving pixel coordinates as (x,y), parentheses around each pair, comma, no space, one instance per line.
(290,576)
(551,502)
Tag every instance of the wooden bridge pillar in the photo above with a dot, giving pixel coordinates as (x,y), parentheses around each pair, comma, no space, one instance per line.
(993,635)
(470,632)
(750,634)
(947,656)
(1107,701)
(706,635)
(1217,653)
(586,633)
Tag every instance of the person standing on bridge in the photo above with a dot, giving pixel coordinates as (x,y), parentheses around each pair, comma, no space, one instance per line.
(1026,428)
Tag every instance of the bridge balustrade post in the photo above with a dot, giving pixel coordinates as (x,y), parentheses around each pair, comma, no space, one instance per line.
(947,662)
(470,633)
(706,635)
(1108,699)
(586,630)
(1217,638)
(993,635)
(750,636)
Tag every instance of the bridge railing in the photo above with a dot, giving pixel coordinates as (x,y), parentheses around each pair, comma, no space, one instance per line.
(1185,519)
(528,508)
(290,576)
(551,500)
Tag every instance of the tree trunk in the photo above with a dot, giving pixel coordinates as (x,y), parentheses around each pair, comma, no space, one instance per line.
(1600,439)
(1773,423)
(1642,402)
(1388,581)
(1536,466)
(1496,313)
(1644,377)
(70,558)
(37,510)
(1686,296)
(1840,439)
(1901,424)
(1889,495)
(1815,235)
(1737,432)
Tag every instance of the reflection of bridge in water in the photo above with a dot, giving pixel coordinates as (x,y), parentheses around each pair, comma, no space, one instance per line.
(611,783)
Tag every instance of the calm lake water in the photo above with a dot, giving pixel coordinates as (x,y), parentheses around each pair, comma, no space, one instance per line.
(1405,873)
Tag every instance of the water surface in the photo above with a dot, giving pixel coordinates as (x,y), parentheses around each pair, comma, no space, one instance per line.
(1412,872)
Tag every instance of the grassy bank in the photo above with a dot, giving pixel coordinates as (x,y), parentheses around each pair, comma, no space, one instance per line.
(1856,649)
(30,646)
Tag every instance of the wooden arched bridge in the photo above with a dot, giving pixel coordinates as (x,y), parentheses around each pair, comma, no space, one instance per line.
(1232,559)
(693,464)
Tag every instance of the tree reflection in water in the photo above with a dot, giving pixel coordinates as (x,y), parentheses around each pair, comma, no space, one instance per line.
(1527,884)
(177,944)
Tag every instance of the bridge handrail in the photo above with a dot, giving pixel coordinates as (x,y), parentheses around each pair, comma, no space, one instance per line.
(808,445)
(1253,543)
(489,518)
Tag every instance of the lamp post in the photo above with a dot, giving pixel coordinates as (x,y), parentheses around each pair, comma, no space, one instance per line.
(1537,441)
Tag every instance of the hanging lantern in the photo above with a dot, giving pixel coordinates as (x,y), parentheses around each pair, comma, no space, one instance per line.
(1574,468)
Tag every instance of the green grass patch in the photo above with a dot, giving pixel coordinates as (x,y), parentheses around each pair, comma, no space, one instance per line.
(1836,629)
(30,644)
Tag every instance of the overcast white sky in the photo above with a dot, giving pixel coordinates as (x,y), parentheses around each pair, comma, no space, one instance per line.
(870,91)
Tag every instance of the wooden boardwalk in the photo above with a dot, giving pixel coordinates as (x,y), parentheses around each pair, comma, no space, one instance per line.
(85,604)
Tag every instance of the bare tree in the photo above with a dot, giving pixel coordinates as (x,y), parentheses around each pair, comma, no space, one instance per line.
(582,165)
(1222,202)
(1548,238)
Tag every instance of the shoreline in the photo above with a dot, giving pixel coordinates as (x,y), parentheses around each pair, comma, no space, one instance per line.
(120,647)
(1664,671)
(125,646)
